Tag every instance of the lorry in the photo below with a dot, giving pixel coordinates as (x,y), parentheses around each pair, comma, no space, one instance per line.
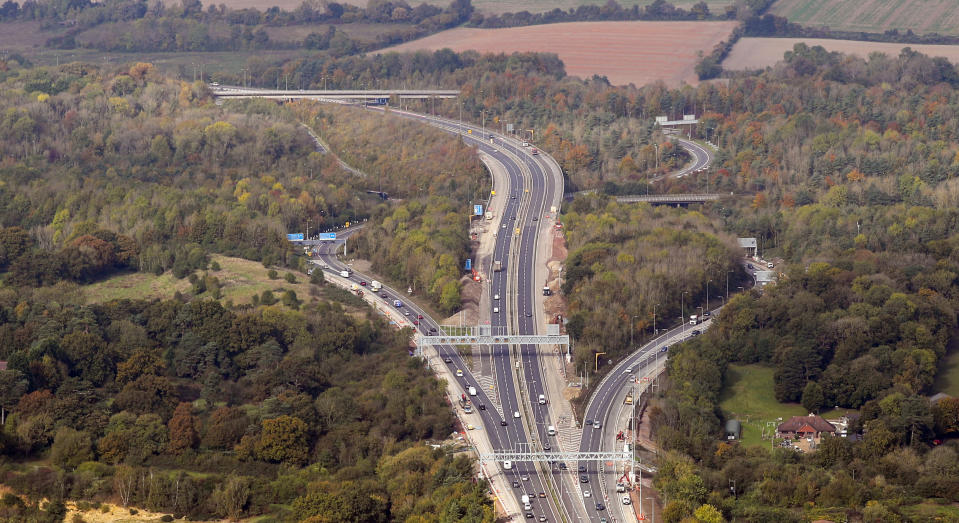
(694,320)
(526,504)
(345,273)
(376,286)
(497,266)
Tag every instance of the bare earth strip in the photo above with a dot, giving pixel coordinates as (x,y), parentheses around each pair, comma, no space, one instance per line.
(874,16)
(758,53)
(625,52)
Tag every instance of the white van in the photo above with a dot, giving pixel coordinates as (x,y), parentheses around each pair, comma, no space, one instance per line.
(542,399)
(551,430)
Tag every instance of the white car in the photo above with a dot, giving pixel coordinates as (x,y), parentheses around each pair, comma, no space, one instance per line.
(516,414)
(597,424)
(495,310)
(496,296)
(525,144)
(626,500)
(507,465)
(459,373)
(586,494)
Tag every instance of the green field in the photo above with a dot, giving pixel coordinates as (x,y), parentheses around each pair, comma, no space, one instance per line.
(873,16)
(539,6)
(748,396)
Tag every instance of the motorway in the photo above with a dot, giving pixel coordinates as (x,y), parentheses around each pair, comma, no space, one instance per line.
(535,184)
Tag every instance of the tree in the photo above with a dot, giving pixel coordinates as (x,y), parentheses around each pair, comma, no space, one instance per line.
(13,385)
(709,514)
(945,412)
(124,483)
(283,439)
(231,497)
(71,448)
(182,426)
(812,397)
(317,277)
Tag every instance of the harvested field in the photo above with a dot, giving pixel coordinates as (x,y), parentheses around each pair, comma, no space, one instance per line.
(873,16)
(25,35)
(758,53)
(364,32)
(484,6)
(625,52)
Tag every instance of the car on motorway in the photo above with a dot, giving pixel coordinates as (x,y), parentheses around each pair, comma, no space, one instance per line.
(482,406)
(433,330)
(542,494)
(627,501)
(529,314)
(525,144)
(525,478)
(581,468)
(384,295)
(416,322)
(507,465)
(586,494)
(600,506)
(529,515)
(664,349)
(515,484)
(542,518)
(448,360)
(515,413)
(562,466)
(504,225)
(406,313)
(363,283)
(502,422)
(512,197)
(495,310)
(597,425)
(459,373)
(419,316)
(496,296)
(512,217)
(535,219)
(583,478)
(695,332)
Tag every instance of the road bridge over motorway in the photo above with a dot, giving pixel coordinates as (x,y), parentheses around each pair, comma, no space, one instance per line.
(669,199)
(225,92)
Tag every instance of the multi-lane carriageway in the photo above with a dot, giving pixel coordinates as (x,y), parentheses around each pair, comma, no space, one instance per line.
(535,184)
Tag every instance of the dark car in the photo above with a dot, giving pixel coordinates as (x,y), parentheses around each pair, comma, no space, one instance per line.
(529,314)
(502,422)
(695,332)
(750,266)
(515,484)
(664,349)
(363,283)
(419,316)
(448,359)
(529,515)
(542,494)
(589,422)
(562,466)
(482,406)
(432,329)
(581,468)
(383,295)
(583,478)
(600,506)
(535,219)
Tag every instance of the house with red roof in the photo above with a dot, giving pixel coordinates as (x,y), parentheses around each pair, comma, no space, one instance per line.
(802,427)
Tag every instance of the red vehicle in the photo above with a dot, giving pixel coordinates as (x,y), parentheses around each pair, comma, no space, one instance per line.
(363,283)
(416,322)
(419,316)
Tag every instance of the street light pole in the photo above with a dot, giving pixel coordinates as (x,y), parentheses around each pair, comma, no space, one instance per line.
(682,309)
(654,319)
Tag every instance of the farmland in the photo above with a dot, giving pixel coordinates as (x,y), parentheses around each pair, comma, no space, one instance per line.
(873,16)
(758,53)
(625,52)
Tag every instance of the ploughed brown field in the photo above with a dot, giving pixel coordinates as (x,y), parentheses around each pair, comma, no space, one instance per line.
(625,52)
(758,53)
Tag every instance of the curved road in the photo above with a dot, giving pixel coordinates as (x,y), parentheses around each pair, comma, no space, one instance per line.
(535,184)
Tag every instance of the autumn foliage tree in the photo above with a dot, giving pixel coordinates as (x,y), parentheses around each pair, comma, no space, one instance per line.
(183,429)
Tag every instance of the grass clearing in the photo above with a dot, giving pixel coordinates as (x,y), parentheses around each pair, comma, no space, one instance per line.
(947,380)
(239,280)
(748,396)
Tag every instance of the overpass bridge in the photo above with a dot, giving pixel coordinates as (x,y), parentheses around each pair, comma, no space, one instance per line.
(669,199)
(372,95)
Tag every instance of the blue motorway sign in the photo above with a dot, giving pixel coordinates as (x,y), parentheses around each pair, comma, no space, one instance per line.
(477,210)
(327,235)
(295,237)
(469,264)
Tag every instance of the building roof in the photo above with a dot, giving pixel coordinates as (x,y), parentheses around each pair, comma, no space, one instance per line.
(810,423)
(733,426)
(747,242)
